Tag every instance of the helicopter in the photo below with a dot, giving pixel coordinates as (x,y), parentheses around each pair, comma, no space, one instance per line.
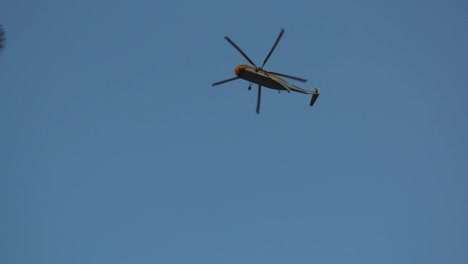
(265,78)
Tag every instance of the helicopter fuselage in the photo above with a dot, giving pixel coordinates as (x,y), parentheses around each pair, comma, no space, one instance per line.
(271,80)
(253,75)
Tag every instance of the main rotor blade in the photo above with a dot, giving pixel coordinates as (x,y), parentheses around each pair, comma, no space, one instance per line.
(225,81)
(258,98)
(289,76)
(273,48)
(241,52)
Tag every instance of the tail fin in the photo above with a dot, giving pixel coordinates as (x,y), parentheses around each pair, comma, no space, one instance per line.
(314,97)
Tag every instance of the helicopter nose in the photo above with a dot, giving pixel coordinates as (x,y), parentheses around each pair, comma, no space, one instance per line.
(239,70)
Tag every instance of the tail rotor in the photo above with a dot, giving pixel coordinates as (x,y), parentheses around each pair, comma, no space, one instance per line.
(315,96)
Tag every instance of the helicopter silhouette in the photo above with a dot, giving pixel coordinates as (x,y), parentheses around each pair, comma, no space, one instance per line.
(265,78)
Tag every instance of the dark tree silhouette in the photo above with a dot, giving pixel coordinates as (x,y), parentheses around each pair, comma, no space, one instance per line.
(2,38)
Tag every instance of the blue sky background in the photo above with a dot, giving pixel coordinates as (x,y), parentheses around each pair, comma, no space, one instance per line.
(116,149)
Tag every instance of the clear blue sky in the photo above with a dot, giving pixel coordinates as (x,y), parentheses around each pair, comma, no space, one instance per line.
(116,149)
